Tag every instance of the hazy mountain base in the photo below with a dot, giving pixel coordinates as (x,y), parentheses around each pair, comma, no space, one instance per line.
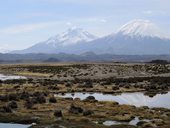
(88,56)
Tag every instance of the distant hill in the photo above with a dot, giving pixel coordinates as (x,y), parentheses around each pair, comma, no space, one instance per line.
(86,57)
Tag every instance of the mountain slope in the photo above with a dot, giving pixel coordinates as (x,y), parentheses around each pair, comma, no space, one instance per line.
(137,37)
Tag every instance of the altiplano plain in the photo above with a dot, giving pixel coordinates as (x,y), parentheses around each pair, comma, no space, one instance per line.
(37,97)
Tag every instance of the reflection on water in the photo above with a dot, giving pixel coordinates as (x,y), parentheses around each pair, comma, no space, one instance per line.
(6,77)
(138,98)
(132,122)
(8,125)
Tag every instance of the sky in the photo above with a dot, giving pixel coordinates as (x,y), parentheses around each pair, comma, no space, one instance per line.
(24,23)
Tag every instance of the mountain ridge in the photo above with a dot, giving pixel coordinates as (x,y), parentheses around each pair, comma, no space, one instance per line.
(136,37)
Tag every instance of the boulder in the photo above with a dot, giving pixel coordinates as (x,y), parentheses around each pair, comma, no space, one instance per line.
(58,113)
(13,104)
(75,109)
(87,112)
(52,100)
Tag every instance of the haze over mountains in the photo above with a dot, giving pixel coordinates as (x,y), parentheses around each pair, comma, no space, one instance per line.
(2,50)
(138,37)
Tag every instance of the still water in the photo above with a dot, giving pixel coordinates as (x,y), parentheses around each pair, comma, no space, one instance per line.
(137,98)
(10,77)
(8,125)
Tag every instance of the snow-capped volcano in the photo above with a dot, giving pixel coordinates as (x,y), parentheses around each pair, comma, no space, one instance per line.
(137,37)
(141,28)
(70,37)
(62,42)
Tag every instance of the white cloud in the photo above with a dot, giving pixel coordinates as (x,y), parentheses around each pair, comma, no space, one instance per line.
(69,24)
(148,12)
(25,28)
(103,20)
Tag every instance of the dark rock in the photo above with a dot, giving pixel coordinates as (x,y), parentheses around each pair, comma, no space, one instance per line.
(4,98)
(88,84)
(40,99)
(115,88)
(7,109)
(58,113)
(68,98)
(13,104)
(87,112)
(24,95)
(13,96)
(28,104)
(90,98)
(52,100)
(75,110)
(68,84)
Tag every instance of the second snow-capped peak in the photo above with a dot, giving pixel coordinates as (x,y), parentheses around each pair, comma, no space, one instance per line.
(141,28)
(71,36)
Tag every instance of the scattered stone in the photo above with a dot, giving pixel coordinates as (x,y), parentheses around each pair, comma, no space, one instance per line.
(58,113)
(28,104)
(6,109)
(90,99)
(52,100)
(87,112)
(13,104)
(75,110)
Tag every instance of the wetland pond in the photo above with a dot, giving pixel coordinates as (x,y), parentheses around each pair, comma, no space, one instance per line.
(10,125)
(134,122)
(10,77)
(137,99)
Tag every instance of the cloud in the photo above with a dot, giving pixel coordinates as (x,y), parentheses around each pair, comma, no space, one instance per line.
(103,20)
(69,24)
(154,12)
(148,12)
(26,28)
(75,1)
(37,14)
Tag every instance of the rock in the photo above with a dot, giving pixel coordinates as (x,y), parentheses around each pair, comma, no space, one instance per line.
(54,87)
(90,99)
(41,99)
(158,122)
(88,84)
(68,84)
(28,104)
(115,88)
(24,95)
(52,100)
(87,112)
(75,110)
(145,124)
(3,98)
(58,113)
(68,98)
(7,109)
(13,96)
(115,103)
(13,104)
(77,99)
